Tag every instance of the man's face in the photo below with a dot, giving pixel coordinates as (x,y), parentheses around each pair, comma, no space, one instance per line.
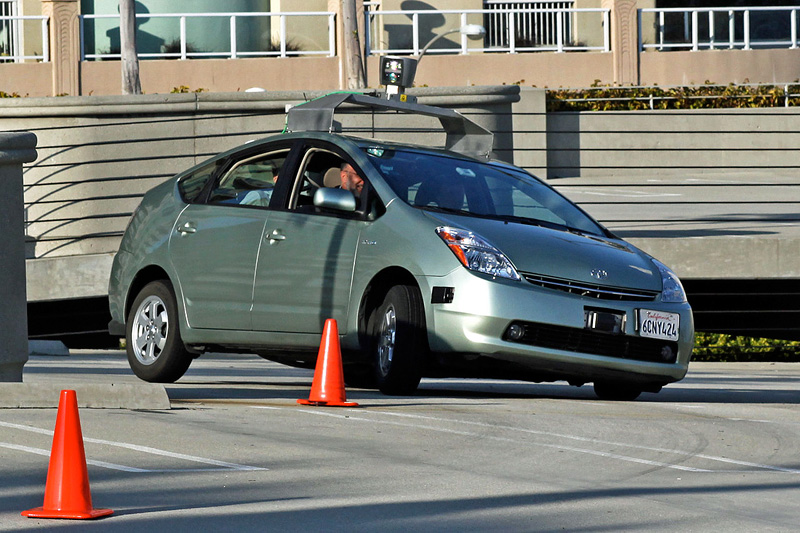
(351,181)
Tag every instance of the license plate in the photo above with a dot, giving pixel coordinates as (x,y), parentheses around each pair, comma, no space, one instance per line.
(659,324)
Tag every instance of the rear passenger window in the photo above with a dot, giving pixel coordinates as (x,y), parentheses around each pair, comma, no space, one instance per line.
(250,182)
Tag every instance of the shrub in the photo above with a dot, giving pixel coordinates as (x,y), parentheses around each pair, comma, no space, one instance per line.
(183,89)
(708,96)
(727,348)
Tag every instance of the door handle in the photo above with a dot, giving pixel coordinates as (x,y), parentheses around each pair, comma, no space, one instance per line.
(186,228)
(275,236)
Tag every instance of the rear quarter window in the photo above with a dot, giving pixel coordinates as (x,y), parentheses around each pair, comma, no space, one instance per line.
(190,187)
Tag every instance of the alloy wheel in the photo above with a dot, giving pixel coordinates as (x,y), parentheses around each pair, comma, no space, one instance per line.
(150,330)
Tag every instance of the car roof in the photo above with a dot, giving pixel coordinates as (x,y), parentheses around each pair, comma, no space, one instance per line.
(344,141)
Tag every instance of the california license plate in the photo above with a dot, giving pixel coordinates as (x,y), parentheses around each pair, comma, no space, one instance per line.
(659,324)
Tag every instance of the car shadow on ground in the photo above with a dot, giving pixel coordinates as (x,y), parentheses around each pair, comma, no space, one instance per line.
(722,391)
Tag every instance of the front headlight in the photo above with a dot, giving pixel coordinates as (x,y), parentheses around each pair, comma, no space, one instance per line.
(475,253)
(672,291)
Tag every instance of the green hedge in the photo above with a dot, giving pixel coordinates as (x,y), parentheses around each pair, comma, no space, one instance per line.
(708,96)
(719,347)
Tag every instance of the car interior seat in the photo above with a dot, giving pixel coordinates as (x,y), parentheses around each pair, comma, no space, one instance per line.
(332,177)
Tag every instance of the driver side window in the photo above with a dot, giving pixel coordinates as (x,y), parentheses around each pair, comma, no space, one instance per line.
(320,168)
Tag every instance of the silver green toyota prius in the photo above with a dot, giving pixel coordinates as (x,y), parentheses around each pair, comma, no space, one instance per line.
(433,262)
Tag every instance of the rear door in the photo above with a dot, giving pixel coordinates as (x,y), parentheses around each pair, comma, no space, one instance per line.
(214,246)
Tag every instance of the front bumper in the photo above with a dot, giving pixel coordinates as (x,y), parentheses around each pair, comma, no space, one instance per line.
(475,322)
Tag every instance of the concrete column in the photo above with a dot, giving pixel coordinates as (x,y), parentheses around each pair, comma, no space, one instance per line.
(15,149)
(624,40)
(65,46)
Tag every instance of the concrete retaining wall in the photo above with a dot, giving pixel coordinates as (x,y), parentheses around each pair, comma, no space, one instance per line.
(671,142)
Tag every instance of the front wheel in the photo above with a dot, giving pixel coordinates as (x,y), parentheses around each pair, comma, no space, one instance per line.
(616,391)
(398,327)
(153,341)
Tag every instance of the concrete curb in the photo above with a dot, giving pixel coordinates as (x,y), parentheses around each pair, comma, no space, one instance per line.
(93,396)
(39,347)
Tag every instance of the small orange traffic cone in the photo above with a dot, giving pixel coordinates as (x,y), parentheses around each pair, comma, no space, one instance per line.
(327,388)
(66,493)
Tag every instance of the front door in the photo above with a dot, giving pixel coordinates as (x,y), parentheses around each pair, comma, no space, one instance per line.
(304,272)
(305,267)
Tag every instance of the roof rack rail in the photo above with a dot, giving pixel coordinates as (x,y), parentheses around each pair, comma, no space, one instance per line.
(463,135)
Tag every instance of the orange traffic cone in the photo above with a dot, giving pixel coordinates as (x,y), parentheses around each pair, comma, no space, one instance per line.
(328,386)
(66,493)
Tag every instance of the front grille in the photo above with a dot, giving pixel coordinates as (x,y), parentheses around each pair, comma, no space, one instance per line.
(596,343)
(599,292)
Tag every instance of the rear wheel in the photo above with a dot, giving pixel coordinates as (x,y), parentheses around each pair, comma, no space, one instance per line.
(153,341)
(620,392)
(398,327)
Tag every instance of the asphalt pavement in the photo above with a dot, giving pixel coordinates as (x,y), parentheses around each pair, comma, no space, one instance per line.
(715,452)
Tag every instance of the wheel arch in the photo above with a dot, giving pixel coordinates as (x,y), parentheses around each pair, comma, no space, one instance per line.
(142,278)
(374,293)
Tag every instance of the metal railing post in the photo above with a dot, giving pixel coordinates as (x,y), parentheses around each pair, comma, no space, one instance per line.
(415,33)
(332,36)
(233,36)
(747,29)
(607,31)
(463,35)
(283,35)
(183,37)
(731,30)
(512,34)
(560,31)
(695,32)
(711,32)
(46,41)
(16,49)
(794,28)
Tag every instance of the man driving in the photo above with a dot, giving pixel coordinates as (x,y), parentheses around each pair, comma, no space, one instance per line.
(351,181)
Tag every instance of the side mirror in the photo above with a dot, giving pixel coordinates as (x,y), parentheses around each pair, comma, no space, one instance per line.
(336,199)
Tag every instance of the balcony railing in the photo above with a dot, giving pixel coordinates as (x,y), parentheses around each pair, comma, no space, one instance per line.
(510,29)
(11,38)
(717,28)
(184,49)
(537,27)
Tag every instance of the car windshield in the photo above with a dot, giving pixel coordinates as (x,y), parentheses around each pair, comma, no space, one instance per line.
(447,184)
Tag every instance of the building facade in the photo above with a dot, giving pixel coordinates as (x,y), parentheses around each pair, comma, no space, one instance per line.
(58,47)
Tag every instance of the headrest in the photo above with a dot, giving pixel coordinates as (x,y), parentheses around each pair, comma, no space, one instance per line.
(332,177)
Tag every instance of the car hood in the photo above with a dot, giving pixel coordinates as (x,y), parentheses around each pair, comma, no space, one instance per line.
(562,254)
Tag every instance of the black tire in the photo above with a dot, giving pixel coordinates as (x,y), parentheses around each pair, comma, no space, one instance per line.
(400,344)
(155,349)
(616,392)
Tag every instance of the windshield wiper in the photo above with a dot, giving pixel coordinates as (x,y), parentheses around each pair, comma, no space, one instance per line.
(508,218)
(527,221)
(451,210)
